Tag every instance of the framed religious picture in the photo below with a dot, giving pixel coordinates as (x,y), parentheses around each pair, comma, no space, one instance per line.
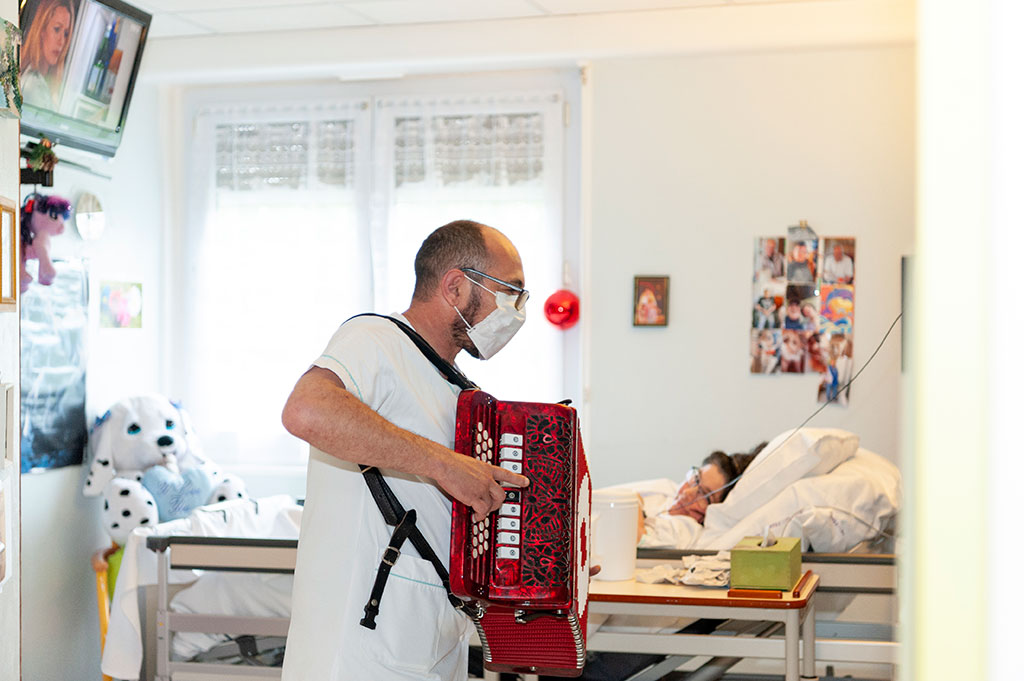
(8,254)
(650,300)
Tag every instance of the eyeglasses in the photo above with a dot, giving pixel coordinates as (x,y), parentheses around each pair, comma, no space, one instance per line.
(702,491)
(521,299)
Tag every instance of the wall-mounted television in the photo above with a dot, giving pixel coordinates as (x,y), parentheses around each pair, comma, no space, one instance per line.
(79,62)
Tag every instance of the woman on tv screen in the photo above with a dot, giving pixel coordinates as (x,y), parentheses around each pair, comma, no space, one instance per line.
(44,51)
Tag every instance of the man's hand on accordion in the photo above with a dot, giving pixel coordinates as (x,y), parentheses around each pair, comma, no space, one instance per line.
(476,484)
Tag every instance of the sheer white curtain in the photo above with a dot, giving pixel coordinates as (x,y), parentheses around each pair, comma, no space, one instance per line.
(496,159)
(302,215)
(278,255)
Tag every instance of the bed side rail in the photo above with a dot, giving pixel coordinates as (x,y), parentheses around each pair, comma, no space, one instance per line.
(230,554)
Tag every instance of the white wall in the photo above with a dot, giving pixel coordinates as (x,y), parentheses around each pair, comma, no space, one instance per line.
(62,528)
(693,158)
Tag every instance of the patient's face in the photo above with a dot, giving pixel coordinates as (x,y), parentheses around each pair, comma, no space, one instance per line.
(692,499)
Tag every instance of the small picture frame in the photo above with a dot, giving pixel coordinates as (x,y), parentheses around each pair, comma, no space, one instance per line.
(650,300)
(8,254)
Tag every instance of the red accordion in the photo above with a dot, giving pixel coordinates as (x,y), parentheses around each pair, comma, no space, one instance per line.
(526,563)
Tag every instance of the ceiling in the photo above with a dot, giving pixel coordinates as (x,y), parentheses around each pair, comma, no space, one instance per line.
(179,18)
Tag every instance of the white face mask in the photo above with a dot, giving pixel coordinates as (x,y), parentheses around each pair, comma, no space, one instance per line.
(496,329)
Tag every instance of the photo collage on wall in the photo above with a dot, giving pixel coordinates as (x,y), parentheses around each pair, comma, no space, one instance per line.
(802,308)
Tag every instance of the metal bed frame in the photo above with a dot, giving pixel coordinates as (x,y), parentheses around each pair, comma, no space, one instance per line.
(844,577)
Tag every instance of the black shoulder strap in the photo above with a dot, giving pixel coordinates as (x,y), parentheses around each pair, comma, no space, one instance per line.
(391,508)
(451,372)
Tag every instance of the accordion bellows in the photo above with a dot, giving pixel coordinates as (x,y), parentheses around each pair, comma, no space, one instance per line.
(526,563)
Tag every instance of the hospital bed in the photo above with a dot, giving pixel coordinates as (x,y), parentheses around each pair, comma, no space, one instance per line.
(845,639)
(856,606)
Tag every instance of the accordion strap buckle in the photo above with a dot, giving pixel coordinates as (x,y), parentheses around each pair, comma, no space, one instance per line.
(473,609)
(386,558)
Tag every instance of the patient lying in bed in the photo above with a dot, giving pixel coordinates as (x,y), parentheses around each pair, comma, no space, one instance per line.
(708,484)
(818,485)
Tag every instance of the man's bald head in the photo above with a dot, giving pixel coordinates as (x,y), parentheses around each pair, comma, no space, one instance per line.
(462,243)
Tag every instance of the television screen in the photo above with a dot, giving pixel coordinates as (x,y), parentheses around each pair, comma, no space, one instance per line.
(79,60)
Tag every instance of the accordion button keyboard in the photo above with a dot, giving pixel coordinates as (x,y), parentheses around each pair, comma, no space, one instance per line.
(507,552)
(509,510)
(511,439)
(508,524)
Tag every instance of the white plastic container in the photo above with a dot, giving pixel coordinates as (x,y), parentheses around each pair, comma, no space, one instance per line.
(614,516)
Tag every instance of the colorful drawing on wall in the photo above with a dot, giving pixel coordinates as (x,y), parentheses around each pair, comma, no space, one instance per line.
(650,301)
(54,323)
(120,305)
(837,308)
(802,311)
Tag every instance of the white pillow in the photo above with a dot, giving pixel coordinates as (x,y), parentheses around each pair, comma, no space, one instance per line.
(786,459)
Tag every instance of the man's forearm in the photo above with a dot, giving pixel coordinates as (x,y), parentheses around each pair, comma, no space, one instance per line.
(325,414)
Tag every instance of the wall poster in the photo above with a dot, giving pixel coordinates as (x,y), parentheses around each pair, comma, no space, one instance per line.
(54,324)
(803,308)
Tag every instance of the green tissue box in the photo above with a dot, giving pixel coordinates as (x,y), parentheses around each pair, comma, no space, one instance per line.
(775,567)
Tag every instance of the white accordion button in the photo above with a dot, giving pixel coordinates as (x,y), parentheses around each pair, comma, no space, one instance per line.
(509,509)
(508,538)
(513,439)
(515,453)
(514,466)
(508,524)
(508,552)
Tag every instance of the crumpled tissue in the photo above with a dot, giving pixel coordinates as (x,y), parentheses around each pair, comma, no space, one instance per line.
(694,571)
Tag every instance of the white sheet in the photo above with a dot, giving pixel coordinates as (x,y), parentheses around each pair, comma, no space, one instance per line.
(269,517)
(830,513)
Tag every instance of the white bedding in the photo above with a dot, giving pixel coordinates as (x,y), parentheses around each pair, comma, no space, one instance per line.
(854,502)
(269,517)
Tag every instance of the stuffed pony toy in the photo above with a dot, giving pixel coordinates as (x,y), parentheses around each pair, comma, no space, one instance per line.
(148,466)
(42,217)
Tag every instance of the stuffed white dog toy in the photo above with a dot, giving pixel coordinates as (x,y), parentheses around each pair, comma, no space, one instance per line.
(149,468)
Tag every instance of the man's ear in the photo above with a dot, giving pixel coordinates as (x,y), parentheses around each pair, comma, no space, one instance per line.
(453,285)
